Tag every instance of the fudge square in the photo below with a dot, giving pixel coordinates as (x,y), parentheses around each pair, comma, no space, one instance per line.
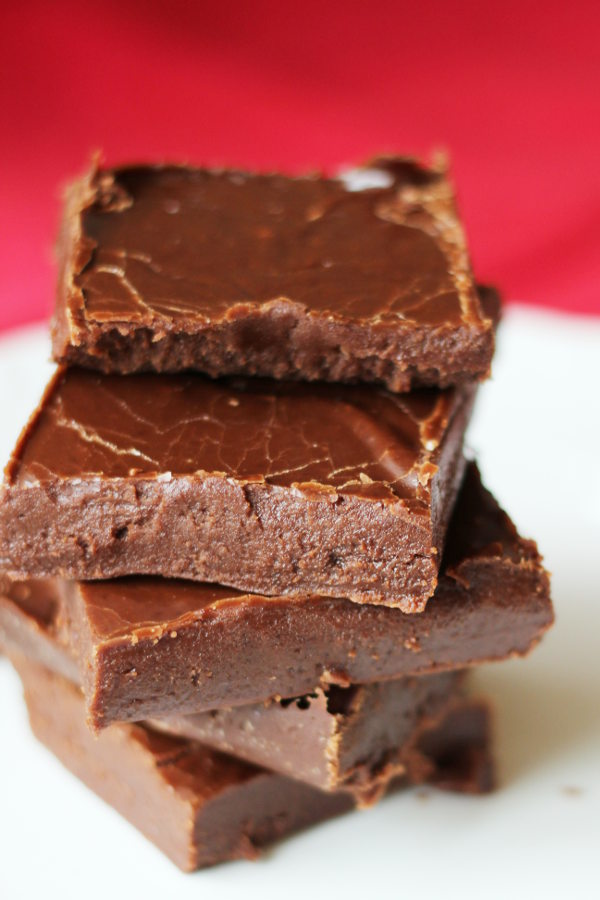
(198,806)
(355,738)
(201,807)
(266,486)
(151,648)
(361,277)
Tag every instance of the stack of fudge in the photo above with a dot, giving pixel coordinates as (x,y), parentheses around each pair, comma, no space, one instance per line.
(245,563)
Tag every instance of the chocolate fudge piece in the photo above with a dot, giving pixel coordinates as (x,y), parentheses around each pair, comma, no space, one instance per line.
(147,648)
(201,807)
(198,806)
(362,277)
(270,487)
(31,627)
(444,740)
(354,738)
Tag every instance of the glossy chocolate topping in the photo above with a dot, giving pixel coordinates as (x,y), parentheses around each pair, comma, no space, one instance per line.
(348,440)
(166,243)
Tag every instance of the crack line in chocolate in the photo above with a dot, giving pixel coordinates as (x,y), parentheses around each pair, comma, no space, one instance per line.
(328,211)
(283,444)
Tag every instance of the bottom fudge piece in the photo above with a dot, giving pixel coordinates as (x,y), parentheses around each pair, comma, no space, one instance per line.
(353,738)
(199,806)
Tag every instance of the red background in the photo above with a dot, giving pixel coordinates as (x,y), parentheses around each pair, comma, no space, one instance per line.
(511,89)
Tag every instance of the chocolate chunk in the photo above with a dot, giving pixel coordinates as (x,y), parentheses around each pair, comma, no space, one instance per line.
(354,738)
(455,754)
(364,277)
(199,806)
(147,648)
(270,487)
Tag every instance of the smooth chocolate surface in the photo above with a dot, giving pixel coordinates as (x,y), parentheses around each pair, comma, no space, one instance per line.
(363,277)
(270,487)
(148,648)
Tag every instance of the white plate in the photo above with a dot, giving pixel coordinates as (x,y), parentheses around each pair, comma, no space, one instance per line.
(537,436)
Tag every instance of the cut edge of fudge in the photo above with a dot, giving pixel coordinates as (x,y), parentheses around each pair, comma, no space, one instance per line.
(492,601)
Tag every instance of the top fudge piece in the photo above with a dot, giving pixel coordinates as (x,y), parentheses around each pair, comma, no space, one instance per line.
(267,486)
(364,277)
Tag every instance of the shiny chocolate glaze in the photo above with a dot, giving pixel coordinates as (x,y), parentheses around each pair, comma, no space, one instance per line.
(171,267)
(266,486)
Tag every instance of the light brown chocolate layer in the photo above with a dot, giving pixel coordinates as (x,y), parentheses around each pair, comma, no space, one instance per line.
(168,268)
(197,805)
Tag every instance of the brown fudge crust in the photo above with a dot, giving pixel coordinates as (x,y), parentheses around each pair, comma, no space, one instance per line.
(270,487)
(148,648)
(198,806)
(167,268)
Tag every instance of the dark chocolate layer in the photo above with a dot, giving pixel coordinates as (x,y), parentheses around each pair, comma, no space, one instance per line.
(270,487)
(149,648)
(168,268)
